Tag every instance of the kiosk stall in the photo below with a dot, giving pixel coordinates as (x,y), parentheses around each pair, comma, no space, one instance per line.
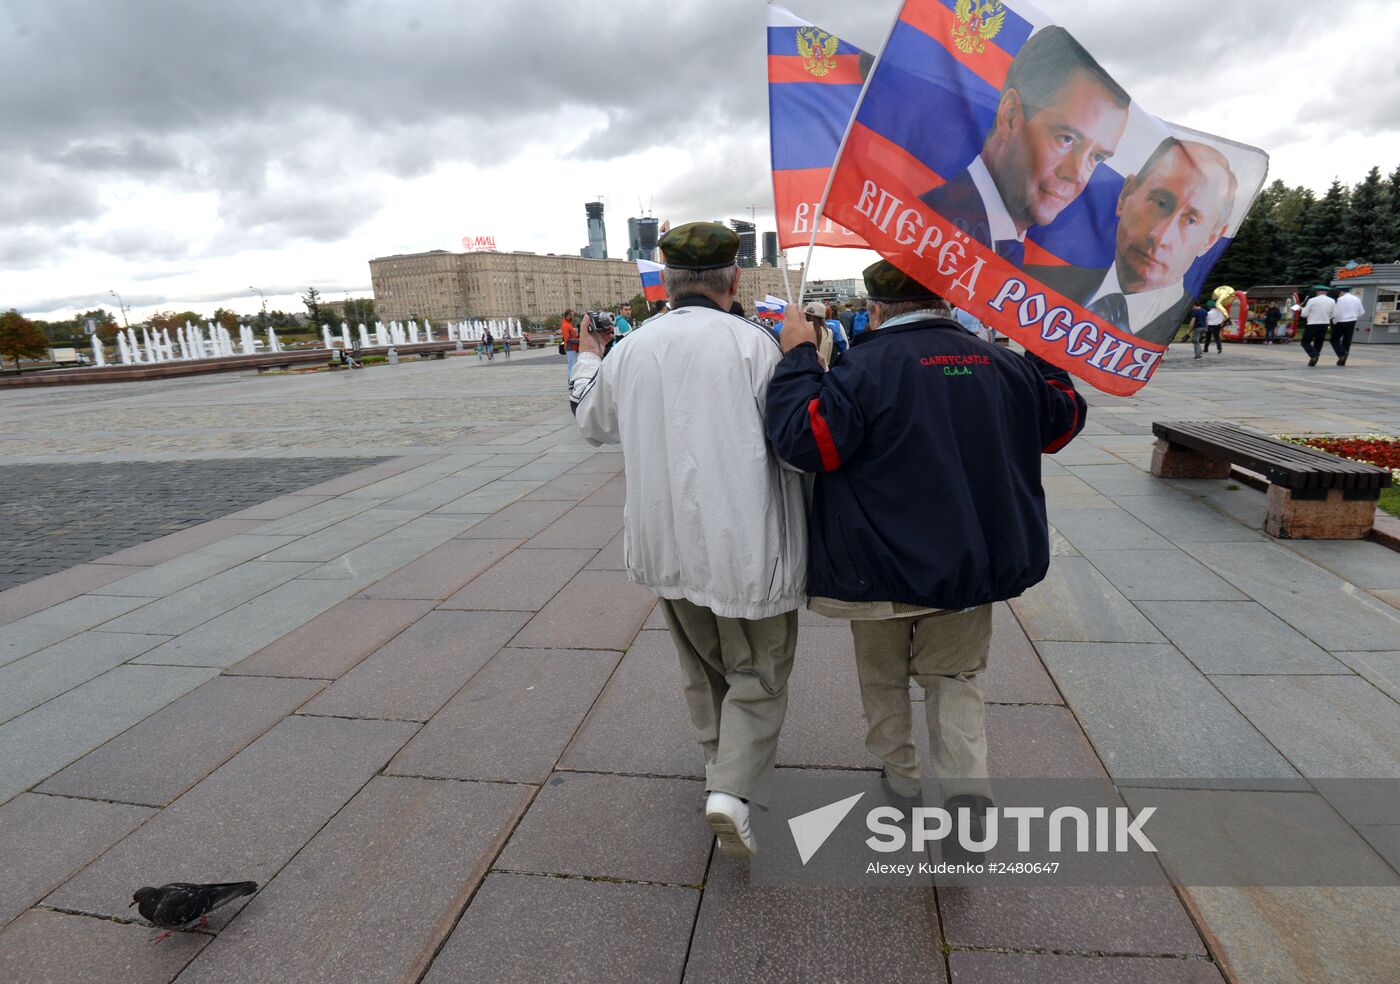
(1378,286)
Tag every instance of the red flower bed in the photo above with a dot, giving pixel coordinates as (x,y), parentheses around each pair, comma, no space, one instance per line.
(1371,449)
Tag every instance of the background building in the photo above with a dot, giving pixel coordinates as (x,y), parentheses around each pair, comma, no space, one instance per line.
(597,248)
(770,249)
(445,286)
(748,245)
(641,238)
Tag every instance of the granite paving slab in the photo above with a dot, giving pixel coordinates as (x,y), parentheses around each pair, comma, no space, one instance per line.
(1014,673)
(367,476)
(1364,564)
(583,526)
(607,462)
(31,680)
(247,819)
(1151,715)
(1050,968)
(441,571)
(621,827)
(640,723)
(511,721)
(406,855)
(39,742)
(545,468)
(1147,920)
(1106,529)
(188,570)
(610,558)
(1118,479)
(1035,742)
(239,633)
(444,490)
(283,505)
(1329,727)
(570,620)
(1382,669)
(338,538)
(177,746)
(520,929)
(333,642)
(45,592)
(1165,575)
(573,485)
(1187,519)
(518,520)
(825,724)
(1264,935)
(388,553)
(1237,637)
(614,493)
(173,545)
(1075,603)
(316,518)
(419,670)
(746,932)
(1330,611)
(45,839)
(43,947)
(52,625)
(207,599)
(490,498)
(523,580)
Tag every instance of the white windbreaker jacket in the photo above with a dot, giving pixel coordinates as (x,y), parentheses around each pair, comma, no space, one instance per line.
(712,515)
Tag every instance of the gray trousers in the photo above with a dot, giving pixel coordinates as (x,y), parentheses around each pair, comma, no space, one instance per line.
(736,673)
(943,653)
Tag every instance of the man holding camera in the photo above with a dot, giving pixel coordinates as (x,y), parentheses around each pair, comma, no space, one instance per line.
(714,522)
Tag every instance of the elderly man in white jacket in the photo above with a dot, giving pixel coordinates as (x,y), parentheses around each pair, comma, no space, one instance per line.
(713,522)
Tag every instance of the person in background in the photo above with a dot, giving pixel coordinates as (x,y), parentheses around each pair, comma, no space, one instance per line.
(622,324)
(847,318)
(1215,320)
(1200,327)
(1349,308)
(1317,315)
(815,313)
(570,333)
(488,342)
(1271,319)
(859,320)
(973,326)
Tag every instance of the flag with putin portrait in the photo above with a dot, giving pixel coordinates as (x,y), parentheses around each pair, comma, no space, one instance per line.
(991,157)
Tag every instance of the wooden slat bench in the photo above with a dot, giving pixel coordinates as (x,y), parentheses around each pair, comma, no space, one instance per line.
(1313,495)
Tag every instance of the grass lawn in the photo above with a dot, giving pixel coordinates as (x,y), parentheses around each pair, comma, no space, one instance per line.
(1390,500)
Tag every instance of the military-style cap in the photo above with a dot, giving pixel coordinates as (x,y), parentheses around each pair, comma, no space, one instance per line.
(887,283)
(699,246)
(1320,287)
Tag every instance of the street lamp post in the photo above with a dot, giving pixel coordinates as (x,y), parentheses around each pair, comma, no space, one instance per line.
(121,306)
(263,324)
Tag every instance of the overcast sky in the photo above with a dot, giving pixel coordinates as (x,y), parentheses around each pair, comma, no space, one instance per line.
(181,152)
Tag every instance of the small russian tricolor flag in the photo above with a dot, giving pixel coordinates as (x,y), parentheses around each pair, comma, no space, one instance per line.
(652,287)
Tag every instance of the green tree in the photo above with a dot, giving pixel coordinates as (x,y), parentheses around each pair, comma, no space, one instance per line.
(20,338)
(1253,257)
(312,300)
(1309,255)
(1388,238)
(227,319)
(1366,218)
(360,310)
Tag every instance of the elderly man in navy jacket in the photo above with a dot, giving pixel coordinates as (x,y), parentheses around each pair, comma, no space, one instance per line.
(928,508)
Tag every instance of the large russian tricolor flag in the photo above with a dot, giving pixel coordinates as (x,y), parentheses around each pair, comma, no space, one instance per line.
(814,81)
(652,287)
(930,144)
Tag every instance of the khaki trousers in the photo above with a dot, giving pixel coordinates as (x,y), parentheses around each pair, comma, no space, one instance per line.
(944,653)
(736,673)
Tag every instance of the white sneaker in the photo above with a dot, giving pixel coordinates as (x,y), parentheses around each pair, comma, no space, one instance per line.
(728,817)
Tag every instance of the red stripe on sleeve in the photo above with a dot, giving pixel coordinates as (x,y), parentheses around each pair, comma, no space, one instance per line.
(830,459)
(1064,438)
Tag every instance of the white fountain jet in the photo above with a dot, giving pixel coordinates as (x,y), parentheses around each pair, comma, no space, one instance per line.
(364,336)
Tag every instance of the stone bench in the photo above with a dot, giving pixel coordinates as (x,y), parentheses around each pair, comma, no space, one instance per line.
(1313,495)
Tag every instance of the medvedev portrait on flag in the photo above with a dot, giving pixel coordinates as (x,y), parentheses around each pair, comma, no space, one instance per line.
(1058,118)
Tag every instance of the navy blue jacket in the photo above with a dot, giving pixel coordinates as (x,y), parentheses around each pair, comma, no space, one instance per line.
(927,444)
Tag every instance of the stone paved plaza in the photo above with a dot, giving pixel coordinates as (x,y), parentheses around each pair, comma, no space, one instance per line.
(421,704)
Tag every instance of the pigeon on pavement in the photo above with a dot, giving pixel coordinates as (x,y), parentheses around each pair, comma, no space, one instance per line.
(181,905)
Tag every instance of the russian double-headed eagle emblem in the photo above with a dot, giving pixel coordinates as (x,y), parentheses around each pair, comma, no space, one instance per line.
(818,50)
(978,22)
